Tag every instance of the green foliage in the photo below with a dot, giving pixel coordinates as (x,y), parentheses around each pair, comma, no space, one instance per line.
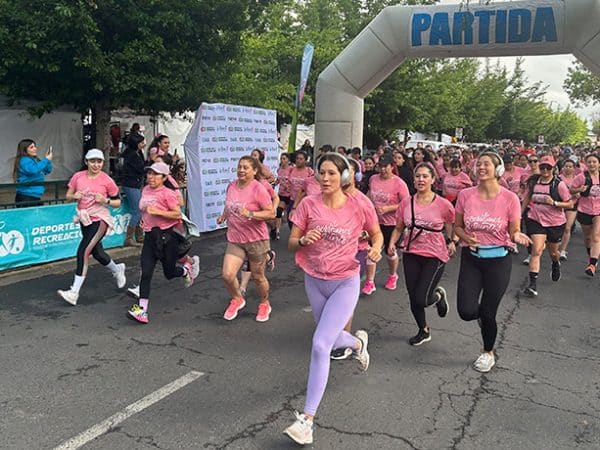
(582,85)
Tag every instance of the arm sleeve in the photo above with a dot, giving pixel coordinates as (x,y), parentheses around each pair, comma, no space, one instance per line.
(450,214)
(262,197)
(73,182)
(563,191)
(301,216)
(112,189)
(460,208)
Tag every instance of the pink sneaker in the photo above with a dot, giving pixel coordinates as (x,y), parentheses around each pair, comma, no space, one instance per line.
(368,288)
(234,306)
(264,310)
(391,282)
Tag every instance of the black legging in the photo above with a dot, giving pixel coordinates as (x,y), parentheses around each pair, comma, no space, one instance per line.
(148,260)
(422,276)
(485,278)
(91,244)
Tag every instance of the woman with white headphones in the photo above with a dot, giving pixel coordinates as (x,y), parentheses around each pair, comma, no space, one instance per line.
(488,221)
(325,237)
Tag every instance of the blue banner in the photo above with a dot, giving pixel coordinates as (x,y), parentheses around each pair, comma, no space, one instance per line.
(42,234)
(309,49)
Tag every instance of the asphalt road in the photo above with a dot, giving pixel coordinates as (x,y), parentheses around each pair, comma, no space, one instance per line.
(66,369)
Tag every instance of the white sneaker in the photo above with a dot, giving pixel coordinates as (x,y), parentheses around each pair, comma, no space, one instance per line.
(526,260)
(69,296)
(485,362)
(301,431)
(120,276)
(362,355)
(195,266)
(563,255)
(134,291)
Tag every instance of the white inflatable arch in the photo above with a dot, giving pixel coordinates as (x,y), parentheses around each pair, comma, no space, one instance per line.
(538,27)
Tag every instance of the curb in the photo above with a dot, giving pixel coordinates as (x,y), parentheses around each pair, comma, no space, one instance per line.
(68,265)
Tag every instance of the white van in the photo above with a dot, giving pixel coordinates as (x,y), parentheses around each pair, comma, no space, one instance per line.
(435,145)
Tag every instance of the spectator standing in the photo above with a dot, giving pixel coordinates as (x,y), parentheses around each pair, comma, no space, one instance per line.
(29,168)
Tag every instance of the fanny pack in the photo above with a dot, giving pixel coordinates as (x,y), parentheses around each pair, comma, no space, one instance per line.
(489,251)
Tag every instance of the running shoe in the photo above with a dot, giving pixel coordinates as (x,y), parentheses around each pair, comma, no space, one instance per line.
(484,363)
(442,304)
(271,260)
(120,276)
(134,291)
(590,270)
(531,290)
(69,296)
(341,353)
(234,306)
(368,288)
(264,311)
(563,255)
(136,312)
(277,235)
(188,277)
(195,266)
(362,355)
(421,337)
(390,284)
(526,260)
(301,431)
(555,271)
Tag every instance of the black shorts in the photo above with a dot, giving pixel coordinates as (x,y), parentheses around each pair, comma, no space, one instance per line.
(585,219)
(553,234)
(386,230)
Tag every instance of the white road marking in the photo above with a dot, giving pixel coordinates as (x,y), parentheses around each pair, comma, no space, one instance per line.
(99,429)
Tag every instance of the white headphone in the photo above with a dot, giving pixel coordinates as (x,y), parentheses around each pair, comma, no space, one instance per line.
(345,178)
(500,169)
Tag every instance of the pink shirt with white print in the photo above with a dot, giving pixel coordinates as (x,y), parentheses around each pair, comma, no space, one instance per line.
(163,198)
(253,197)
(548,215)
(434,216)
(513,179)
(590,204)
(282,178)
(333,257)
(385,193)
(367,207)
(296,179)
(89,187)
(453,184)
(489,219)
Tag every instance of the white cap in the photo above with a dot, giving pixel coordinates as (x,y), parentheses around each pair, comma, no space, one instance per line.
(95,154)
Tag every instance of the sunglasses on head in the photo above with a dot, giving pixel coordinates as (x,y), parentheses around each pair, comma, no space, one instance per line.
(545,167)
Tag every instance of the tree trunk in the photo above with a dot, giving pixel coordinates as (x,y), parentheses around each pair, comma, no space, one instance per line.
(101,114)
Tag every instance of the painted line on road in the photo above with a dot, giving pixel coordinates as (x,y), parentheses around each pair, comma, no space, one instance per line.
(106,425)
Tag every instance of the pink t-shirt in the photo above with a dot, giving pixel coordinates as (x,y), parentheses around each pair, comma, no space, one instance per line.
(253,197)
(89,187)
(368,208)
(333,257)
(311,186)
(513,179)
(453,184)
(385,193)
(547,215)
(488,219)
(162,198)
(433,216)
(282,178)
(296,179)
(590,204)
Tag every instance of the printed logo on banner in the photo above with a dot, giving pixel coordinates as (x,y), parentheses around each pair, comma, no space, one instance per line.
(12,242)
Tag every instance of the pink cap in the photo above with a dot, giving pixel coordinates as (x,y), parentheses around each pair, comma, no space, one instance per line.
(549,160)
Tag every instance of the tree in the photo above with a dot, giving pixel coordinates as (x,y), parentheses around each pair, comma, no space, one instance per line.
(150,55)
(582,85)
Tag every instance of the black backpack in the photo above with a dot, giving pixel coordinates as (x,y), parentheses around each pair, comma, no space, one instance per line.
(588,184)
(534,179)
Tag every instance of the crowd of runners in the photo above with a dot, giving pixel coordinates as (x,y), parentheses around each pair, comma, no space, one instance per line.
(346,214)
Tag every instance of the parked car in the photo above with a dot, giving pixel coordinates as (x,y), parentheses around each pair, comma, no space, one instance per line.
(435,145)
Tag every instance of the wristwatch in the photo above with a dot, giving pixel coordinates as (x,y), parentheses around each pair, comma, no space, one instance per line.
(300,242)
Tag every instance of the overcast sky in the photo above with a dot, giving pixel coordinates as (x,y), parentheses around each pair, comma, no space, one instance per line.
(551,71)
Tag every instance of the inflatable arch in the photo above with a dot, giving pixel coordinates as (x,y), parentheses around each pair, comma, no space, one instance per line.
(538,27)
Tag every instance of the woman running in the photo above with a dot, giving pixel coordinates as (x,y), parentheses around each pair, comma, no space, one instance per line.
(568,175)
(325,238)
(587,184)
(296,176)
(259,155)
(386,191)
(425,249)
(247,206)
(455,181)
(488,220)
(284,191)
(545,219)
(94,191)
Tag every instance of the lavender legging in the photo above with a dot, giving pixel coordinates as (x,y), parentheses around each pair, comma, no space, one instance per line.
(333,303)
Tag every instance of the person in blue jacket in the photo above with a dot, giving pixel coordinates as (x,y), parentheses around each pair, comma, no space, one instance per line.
(29,168)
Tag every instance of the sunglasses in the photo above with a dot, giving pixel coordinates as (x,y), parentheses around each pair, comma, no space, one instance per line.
(534,160)
(545,167)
